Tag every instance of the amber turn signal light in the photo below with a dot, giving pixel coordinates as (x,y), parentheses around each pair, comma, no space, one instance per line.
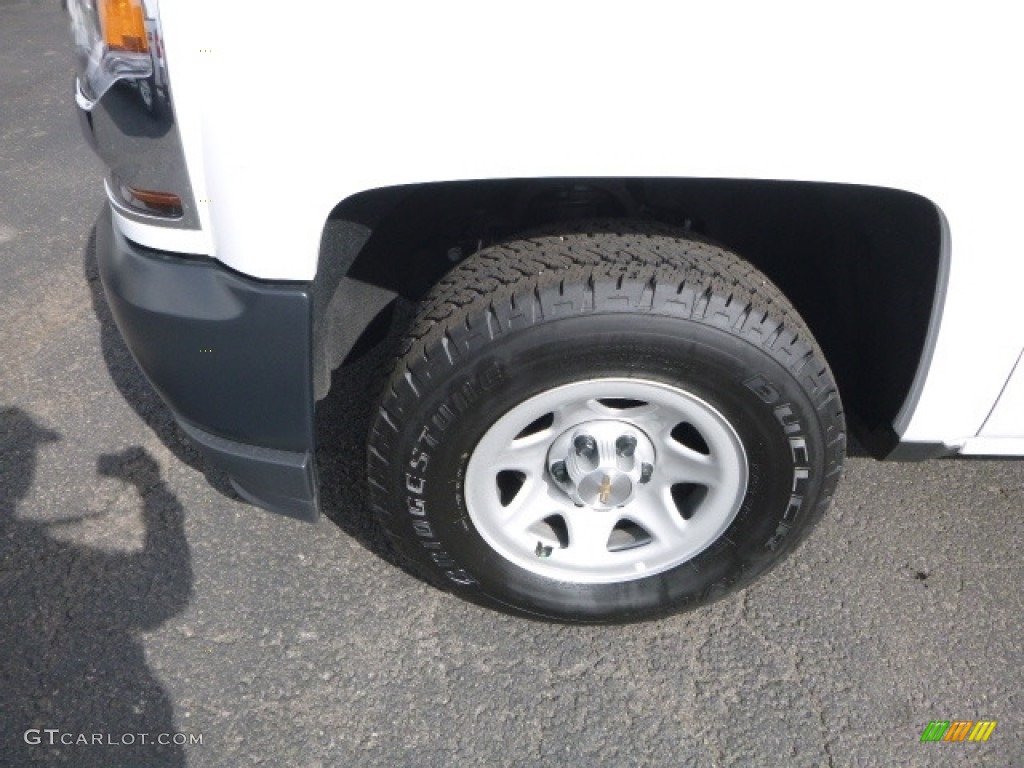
(151,202)
(124,25)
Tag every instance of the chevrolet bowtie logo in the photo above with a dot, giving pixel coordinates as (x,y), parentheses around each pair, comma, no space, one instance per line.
(606,489)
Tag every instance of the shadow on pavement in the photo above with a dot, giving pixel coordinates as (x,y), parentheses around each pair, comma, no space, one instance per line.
(70,656)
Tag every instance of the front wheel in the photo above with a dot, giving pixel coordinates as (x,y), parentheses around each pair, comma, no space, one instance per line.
(604,427)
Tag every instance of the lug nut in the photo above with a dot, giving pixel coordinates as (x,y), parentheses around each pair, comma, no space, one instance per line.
(625,446)
(646,470)
(585,446)
(560,473)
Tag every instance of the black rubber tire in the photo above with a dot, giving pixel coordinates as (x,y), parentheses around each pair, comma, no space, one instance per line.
(519,318)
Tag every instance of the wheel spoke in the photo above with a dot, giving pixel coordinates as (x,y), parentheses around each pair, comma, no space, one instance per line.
(651,418)
(526,455)
(589,532)
(580,411)
(535,501)
(679,464)
(660,520)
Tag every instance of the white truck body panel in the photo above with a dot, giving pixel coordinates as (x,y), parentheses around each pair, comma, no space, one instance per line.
(283,116)
(1008,414)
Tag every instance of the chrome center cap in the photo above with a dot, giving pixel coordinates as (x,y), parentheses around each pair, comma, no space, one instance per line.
(605,489)
(601,464)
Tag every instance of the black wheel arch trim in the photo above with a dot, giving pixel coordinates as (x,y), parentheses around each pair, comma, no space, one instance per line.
(906,412)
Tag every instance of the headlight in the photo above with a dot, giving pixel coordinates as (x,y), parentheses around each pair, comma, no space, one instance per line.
(127,113)
(110,44)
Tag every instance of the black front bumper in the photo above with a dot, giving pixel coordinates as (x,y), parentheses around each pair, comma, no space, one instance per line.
(231,357)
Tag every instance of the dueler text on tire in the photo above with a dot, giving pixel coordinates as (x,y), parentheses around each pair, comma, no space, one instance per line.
(606,426)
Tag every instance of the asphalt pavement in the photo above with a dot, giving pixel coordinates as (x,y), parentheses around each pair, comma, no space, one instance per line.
(138,595)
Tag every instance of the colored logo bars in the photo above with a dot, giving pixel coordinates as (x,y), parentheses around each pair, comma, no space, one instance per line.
(958,730)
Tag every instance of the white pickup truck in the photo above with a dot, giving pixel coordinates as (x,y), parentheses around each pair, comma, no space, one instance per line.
(665,255)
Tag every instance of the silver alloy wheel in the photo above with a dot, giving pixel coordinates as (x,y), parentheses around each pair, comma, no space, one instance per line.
(606,480)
